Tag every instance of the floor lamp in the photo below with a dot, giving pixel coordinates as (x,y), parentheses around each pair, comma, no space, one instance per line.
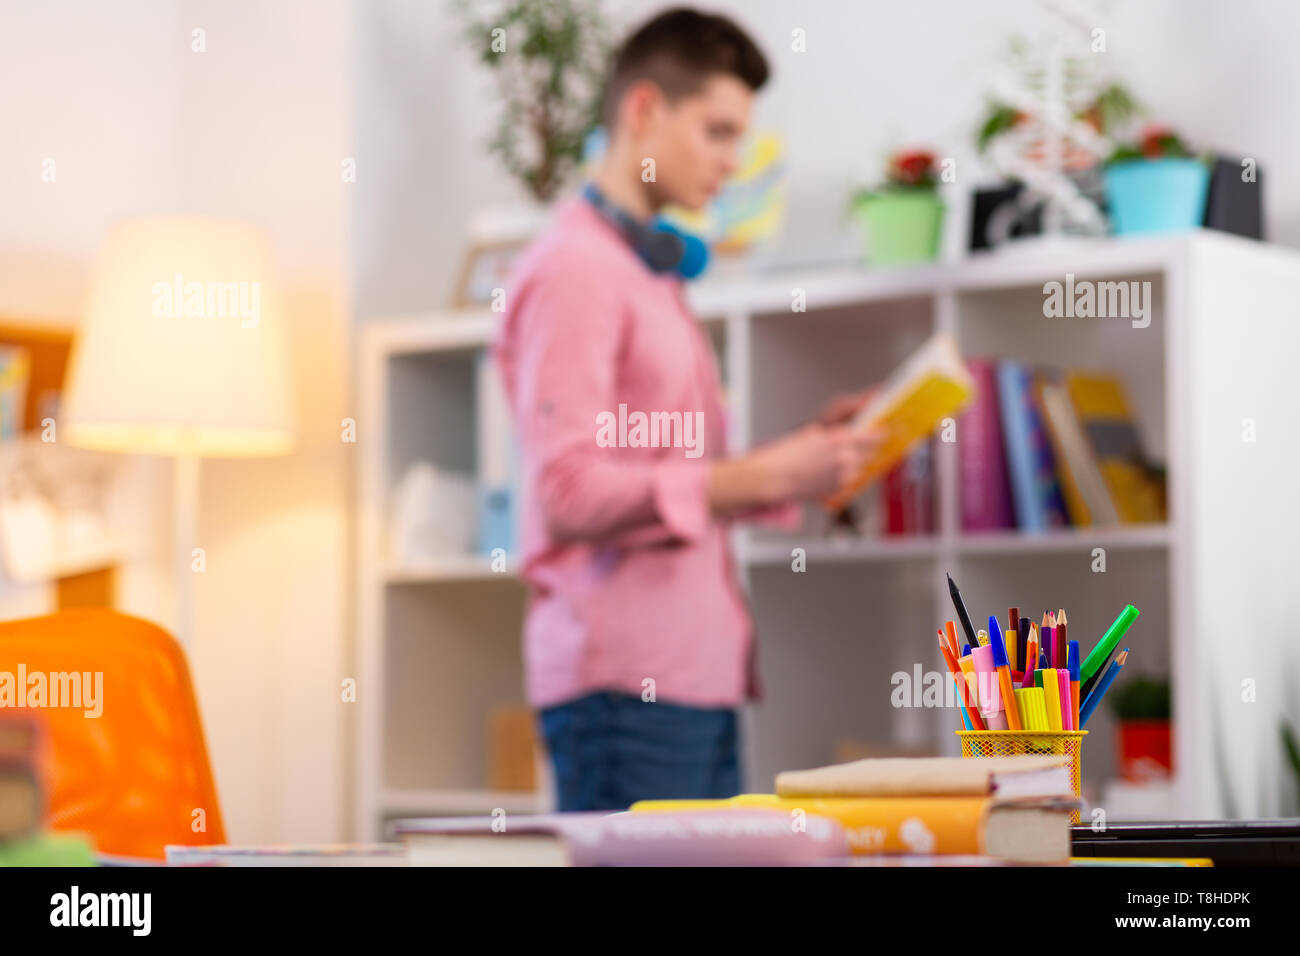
(181,352)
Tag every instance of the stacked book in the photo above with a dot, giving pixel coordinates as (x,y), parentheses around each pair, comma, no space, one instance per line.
(1011,809)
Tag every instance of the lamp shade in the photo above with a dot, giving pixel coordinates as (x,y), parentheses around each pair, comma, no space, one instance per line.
(182,346)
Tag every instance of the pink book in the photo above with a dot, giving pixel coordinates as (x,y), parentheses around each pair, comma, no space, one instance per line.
(750,836)
(982,468)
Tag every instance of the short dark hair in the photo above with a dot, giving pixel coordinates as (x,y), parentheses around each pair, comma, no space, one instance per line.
(678,50)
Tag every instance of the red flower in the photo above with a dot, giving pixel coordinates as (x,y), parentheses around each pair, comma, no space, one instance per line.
(1155,139)
(912,168)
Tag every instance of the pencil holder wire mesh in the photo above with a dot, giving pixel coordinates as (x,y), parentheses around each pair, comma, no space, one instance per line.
(1018,743)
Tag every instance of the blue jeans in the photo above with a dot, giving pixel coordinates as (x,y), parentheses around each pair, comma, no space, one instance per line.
(609,750)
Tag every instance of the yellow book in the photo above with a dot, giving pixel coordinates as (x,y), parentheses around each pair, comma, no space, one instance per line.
(1029,829)
(931,385)
(1103,411)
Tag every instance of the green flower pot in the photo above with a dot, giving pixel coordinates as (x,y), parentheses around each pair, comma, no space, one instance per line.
(903,226)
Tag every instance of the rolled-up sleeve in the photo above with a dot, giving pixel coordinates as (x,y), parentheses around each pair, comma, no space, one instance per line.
(568,336)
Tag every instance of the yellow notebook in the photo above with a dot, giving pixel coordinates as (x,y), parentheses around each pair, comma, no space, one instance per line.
(1029,829)
(931,385)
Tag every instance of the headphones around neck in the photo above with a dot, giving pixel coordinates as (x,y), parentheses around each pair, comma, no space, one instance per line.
(660,245)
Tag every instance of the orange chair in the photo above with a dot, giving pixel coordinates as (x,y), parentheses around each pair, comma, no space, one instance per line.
(135,777)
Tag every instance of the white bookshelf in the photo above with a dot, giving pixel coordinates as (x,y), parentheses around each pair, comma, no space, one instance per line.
(439,646)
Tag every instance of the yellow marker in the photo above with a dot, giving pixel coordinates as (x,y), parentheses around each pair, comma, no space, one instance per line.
(1052,700)
(1033,707)
(1040,708)
(1026,708)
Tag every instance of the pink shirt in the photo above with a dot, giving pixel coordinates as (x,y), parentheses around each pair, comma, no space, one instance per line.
(631,578)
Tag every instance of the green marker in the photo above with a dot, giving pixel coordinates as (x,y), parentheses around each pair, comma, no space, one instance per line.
(1114,634)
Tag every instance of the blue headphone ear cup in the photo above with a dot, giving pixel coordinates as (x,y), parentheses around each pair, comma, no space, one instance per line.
(695,257)
(661,249)
(692,255)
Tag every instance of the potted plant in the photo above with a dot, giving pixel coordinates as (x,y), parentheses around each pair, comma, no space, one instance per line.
(1155,185)
(1141,705)
(549,59)
(904,218)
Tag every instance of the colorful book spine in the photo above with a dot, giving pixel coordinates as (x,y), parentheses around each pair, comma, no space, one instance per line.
(1104,413)
(909,493)
(985,485)
(1035,489)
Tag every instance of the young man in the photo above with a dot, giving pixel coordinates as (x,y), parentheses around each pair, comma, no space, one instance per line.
(637,641)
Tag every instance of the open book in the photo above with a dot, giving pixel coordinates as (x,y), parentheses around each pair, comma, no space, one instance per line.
(932,384)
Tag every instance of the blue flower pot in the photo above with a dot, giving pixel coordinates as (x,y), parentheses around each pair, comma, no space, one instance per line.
(1156,195)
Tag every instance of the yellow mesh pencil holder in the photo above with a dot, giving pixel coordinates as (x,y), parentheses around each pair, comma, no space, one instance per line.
(1019,743)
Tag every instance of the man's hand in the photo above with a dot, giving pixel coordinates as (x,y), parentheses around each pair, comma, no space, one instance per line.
(816,460)
(841,409)
(807,464)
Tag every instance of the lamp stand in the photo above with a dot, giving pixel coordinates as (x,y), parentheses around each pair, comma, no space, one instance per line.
(185,520)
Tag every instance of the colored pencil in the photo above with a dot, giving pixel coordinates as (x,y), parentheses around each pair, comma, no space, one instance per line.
(952,636)
(1099,691)
(943,642)
(960,606)
(1015,651)
(1031,654)
(1062,639)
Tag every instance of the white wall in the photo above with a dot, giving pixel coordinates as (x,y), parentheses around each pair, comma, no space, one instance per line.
(255,128)
(875,77)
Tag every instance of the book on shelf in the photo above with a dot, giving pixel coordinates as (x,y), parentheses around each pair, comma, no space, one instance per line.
(909,494)
(1036,492)
(497,461)
(1070,448)
(981,464)
(1107,421)
(1087,499)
